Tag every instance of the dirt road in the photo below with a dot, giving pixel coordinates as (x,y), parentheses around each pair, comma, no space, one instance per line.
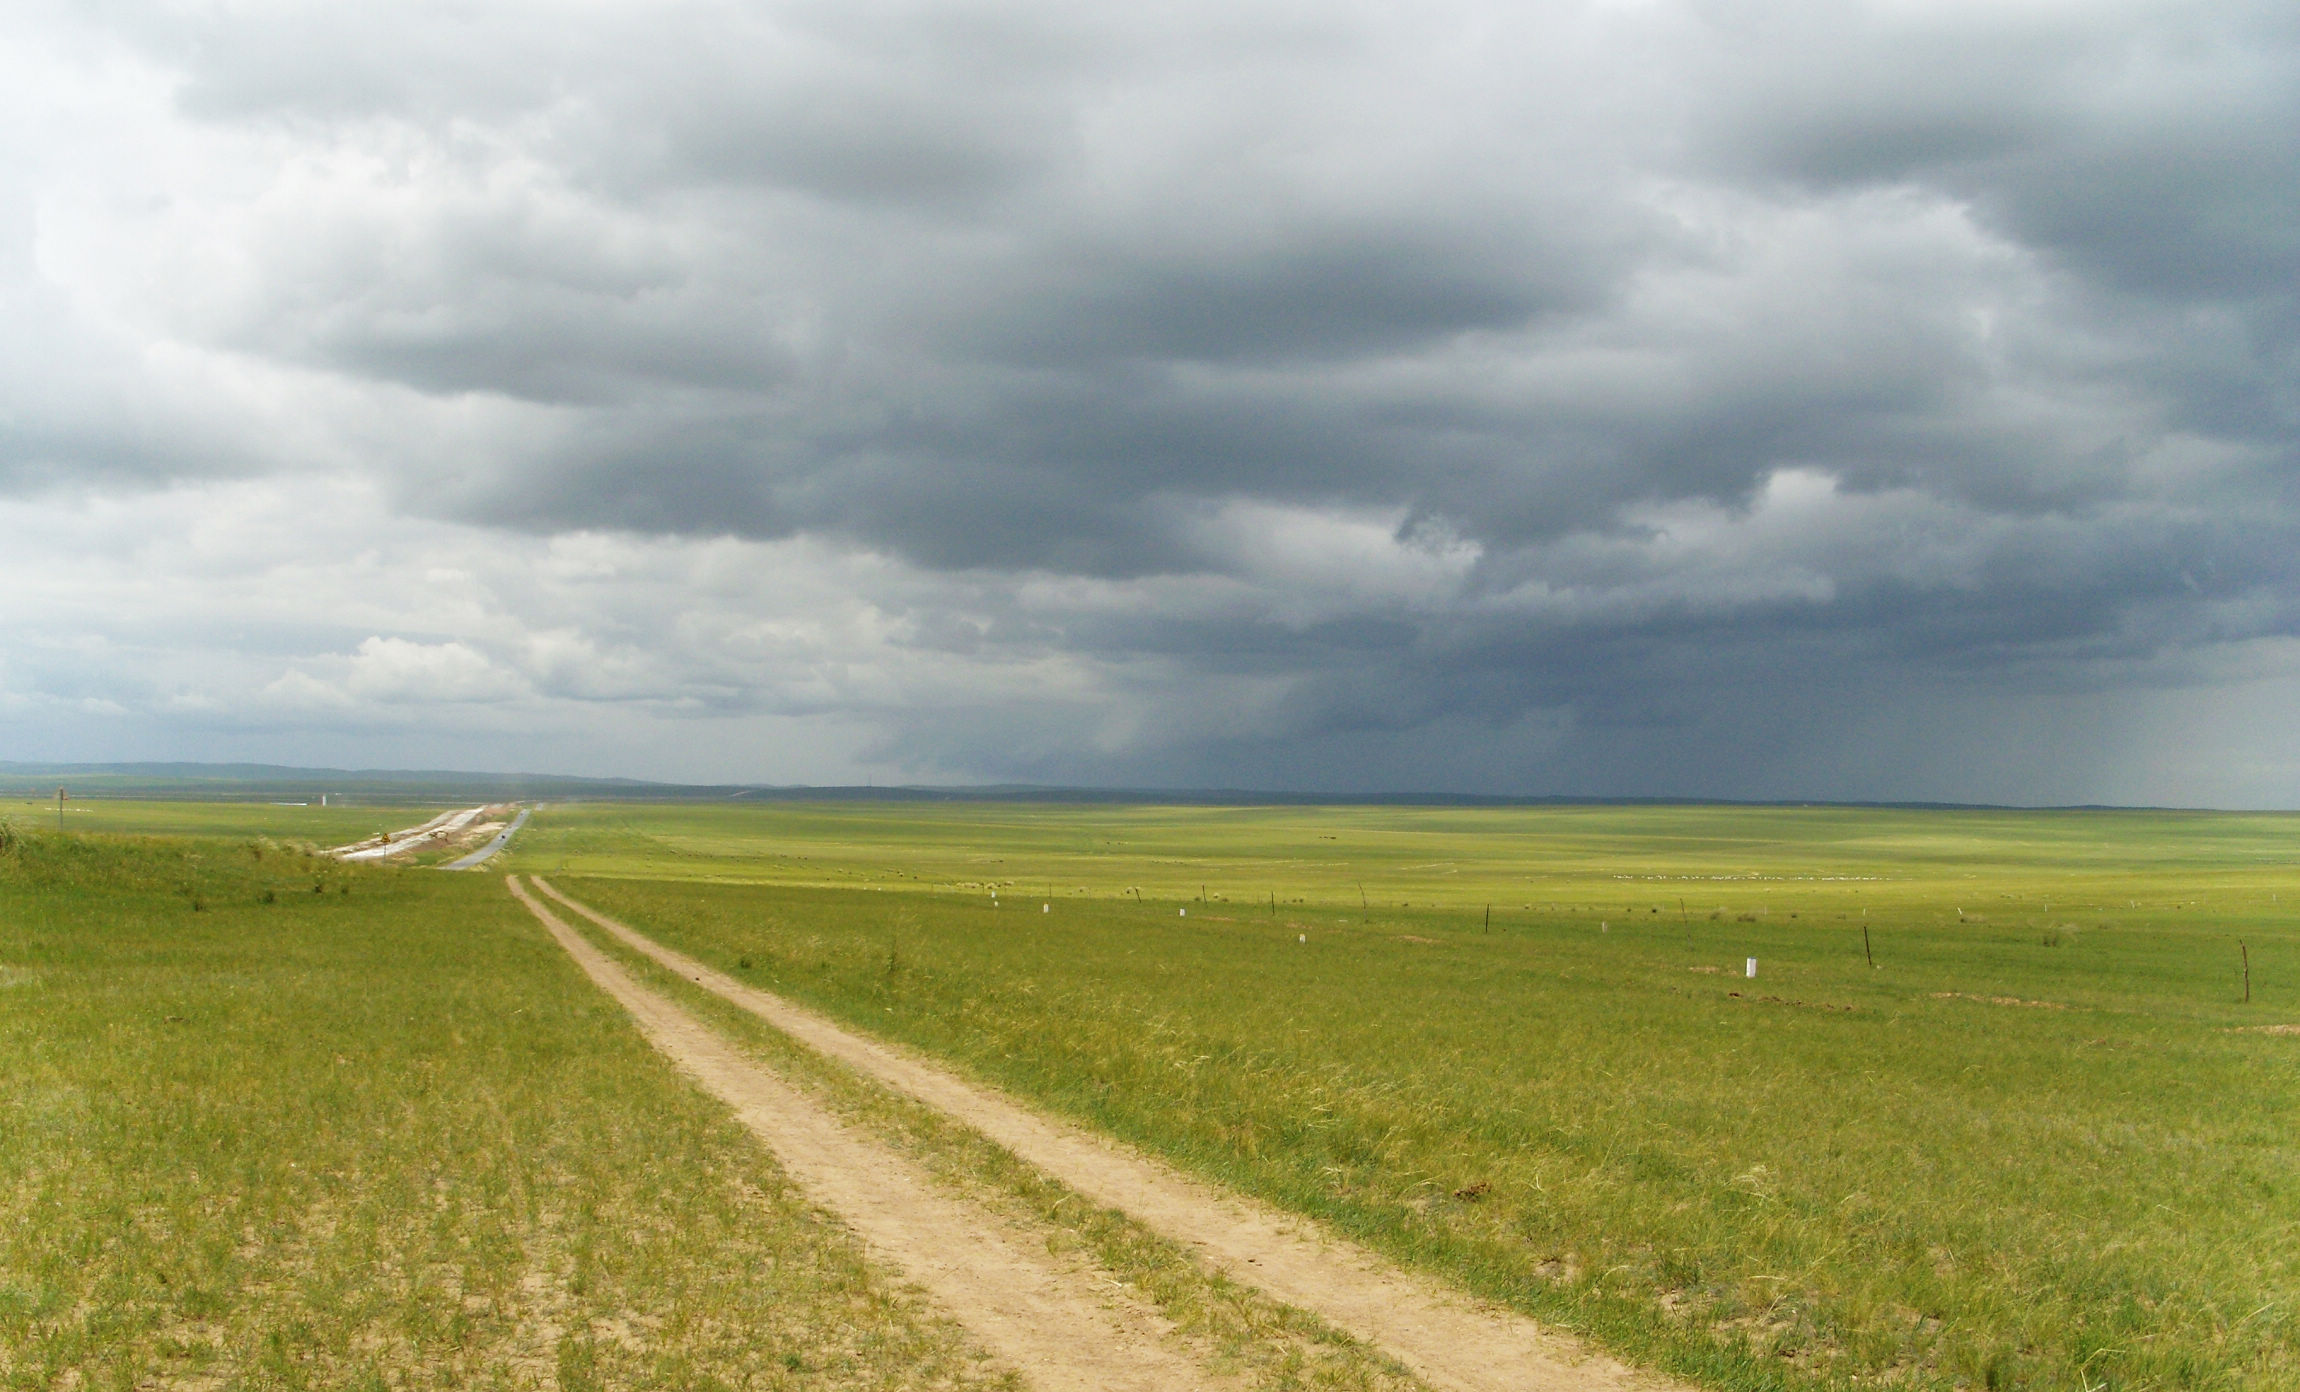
(1031,1310)
(1447,1339)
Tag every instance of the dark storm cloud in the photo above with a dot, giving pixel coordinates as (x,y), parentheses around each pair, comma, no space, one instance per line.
(2153,147)
(1696,370)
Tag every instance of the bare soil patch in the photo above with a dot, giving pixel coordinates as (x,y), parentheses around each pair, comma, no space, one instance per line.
(1784,1000)
(1999,1000)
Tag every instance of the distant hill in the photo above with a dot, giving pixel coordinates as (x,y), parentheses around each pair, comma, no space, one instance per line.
(255,782)
(270,782)
(258,782)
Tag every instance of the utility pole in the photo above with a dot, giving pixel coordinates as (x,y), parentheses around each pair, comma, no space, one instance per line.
(59,809)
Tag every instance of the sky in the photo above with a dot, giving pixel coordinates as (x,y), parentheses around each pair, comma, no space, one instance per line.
(1893,401)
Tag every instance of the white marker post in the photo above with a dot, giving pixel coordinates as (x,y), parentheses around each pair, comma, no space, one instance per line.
(1751,969)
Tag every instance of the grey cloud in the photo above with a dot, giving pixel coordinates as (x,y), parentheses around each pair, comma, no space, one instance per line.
(2155,147)
(80,407)
(1017,295)
(1320,296)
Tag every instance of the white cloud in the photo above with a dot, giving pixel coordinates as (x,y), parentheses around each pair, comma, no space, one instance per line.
(394,671)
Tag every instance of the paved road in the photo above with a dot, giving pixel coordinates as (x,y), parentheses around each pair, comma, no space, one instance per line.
(487,852)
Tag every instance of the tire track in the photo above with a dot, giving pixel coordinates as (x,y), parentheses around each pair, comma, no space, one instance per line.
(1447,1339)
(1028,1309)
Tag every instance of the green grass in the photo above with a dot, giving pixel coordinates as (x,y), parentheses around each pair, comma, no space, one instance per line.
(254,1136)
(1829,1176)
(287,827)
(1585,858)
(284,823)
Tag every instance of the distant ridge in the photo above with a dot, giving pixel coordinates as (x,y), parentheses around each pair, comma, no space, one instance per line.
(254,782)
(1251,797)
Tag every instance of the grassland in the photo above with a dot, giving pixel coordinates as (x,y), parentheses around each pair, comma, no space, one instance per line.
(276,1123)
(2041,1143)
(289,825)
